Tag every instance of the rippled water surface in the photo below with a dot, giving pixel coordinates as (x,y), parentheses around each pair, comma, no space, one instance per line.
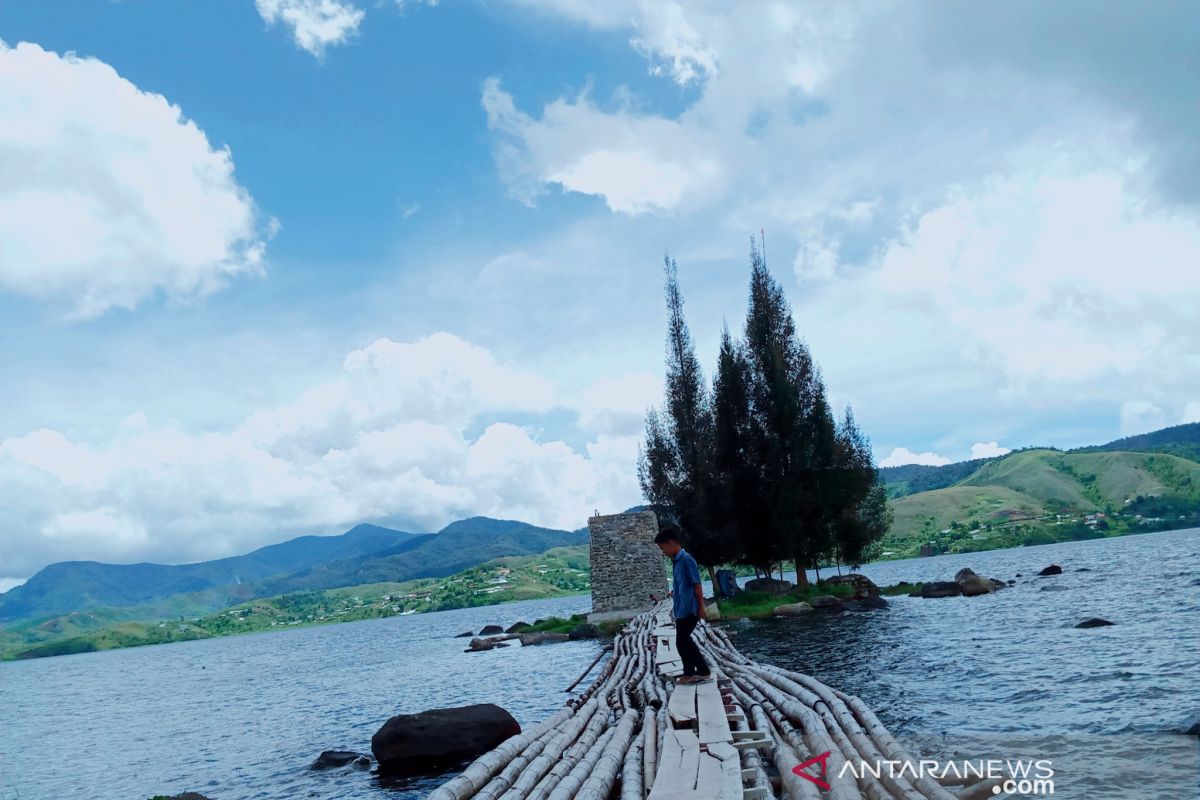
(242,717)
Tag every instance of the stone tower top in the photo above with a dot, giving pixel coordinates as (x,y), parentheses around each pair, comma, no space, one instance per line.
(627,566)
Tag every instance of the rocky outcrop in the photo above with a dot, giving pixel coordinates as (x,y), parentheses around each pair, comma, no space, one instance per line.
(543,637)
(973,585)
(332,759)
(517,627)
(584,630)
(792,610)
(827,602)
(430,740)
(1053,569)
(769,585)
(940,589)
(491,643)
(965,572)
(491,630)
(861,584)
(1095,622)
(866,604)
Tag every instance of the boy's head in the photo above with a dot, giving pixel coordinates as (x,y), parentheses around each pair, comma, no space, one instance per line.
(668,540)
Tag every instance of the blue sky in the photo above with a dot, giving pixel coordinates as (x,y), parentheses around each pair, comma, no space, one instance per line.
(276,266)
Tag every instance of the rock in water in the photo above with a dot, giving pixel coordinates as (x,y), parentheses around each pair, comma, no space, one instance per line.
(1053,569)
(768,585)
(465,635)
(425,742)
(965,572)
(584,630)
(861,584)
(827,602)
(1054,587)
(332,759)
(973,585)
(543,637)
(869,604)
(491,630)
(792,610)
(1094,622)
(516,627)
(941,589)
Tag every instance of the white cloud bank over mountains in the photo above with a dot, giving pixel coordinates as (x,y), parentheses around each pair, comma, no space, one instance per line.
(110,195)
(387,435)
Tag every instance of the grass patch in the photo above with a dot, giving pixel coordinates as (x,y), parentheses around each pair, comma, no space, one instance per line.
(553,625)
(900,589)
(760,605)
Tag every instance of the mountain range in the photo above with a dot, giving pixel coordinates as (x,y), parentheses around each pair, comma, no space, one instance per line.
(363,554)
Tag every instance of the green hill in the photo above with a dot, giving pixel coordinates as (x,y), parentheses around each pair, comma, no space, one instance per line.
(1043,495)
(559,571)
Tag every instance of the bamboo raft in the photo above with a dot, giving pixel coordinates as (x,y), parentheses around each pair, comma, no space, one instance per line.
(636,734)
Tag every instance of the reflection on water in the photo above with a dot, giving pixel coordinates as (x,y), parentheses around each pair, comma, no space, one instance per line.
(242,717)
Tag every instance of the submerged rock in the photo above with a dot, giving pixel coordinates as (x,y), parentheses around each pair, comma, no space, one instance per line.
(543,637)
(941,589)
(1053,569)
(1054,587)
(866,604)
(465,635)
(430,740)
(331,759)
(792,610)
(1095,622)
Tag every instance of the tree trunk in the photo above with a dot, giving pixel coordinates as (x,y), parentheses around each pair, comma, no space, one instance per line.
(801,574)
(712,576)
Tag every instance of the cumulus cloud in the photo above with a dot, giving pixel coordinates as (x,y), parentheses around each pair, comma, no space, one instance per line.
(110,195)
(902,455)
(315,24)
(988,450)
(386,436)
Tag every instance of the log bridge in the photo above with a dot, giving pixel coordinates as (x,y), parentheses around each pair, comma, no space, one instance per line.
(635,733)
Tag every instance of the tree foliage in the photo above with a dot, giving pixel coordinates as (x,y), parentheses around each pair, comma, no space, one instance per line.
(756,470)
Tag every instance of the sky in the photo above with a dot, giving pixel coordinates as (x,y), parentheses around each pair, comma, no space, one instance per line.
(274,267)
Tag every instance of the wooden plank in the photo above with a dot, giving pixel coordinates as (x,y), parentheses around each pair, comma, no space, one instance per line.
(755,793)
(752,744)
(711,713)
(682,705)
(747,735)
(731,770)
(709,776)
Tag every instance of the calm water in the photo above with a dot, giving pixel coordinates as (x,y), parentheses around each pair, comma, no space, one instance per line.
(1001,675)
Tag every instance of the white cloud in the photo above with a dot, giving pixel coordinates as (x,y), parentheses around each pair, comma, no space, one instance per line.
(988,450)
(1191,413)
(902,455)
(1141,416)
(315,24)
(388,435)
(110,195)
(9,583)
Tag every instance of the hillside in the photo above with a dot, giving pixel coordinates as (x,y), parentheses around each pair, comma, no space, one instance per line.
(80,585)
(1179,440)
(364,554)
(1043,495)
(552,573)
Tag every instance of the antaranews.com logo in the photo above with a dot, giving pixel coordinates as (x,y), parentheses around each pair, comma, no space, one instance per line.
(1015,777)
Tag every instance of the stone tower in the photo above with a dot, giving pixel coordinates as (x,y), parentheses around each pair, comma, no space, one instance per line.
(627,566)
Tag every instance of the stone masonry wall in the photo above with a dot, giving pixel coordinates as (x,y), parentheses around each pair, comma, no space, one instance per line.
(627,566)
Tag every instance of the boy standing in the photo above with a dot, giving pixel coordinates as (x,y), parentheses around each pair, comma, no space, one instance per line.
(688,594)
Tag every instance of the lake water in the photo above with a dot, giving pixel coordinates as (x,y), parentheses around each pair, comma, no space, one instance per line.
(1005,674)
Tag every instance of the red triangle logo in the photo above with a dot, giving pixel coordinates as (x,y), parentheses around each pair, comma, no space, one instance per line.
(823,760)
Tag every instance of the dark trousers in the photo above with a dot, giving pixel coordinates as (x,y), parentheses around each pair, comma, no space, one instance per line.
(689,652)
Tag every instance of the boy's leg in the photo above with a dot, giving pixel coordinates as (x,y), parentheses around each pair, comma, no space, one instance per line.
(689,652)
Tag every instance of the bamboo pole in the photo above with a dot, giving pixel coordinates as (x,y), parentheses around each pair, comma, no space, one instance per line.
(590,667)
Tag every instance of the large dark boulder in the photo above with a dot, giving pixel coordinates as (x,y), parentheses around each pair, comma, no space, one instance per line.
(861,584)
(973,585)
(335,758)
(827,602)
(1095,622)
(543,637)
(768,585)
(491,630)
(430,740)
(941,589)
(1053,569)
(585,630)
(869,604)
(517,627)
(965,572)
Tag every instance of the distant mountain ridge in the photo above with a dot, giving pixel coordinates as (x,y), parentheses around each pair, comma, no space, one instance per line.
(365,553)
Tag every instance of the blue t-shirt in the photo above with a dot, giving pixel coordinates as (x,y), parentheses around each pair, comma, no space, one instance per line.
(686,576)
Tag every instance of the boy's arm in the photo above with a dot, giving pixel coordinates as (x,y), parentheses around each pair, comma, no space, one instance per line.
(700,612)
